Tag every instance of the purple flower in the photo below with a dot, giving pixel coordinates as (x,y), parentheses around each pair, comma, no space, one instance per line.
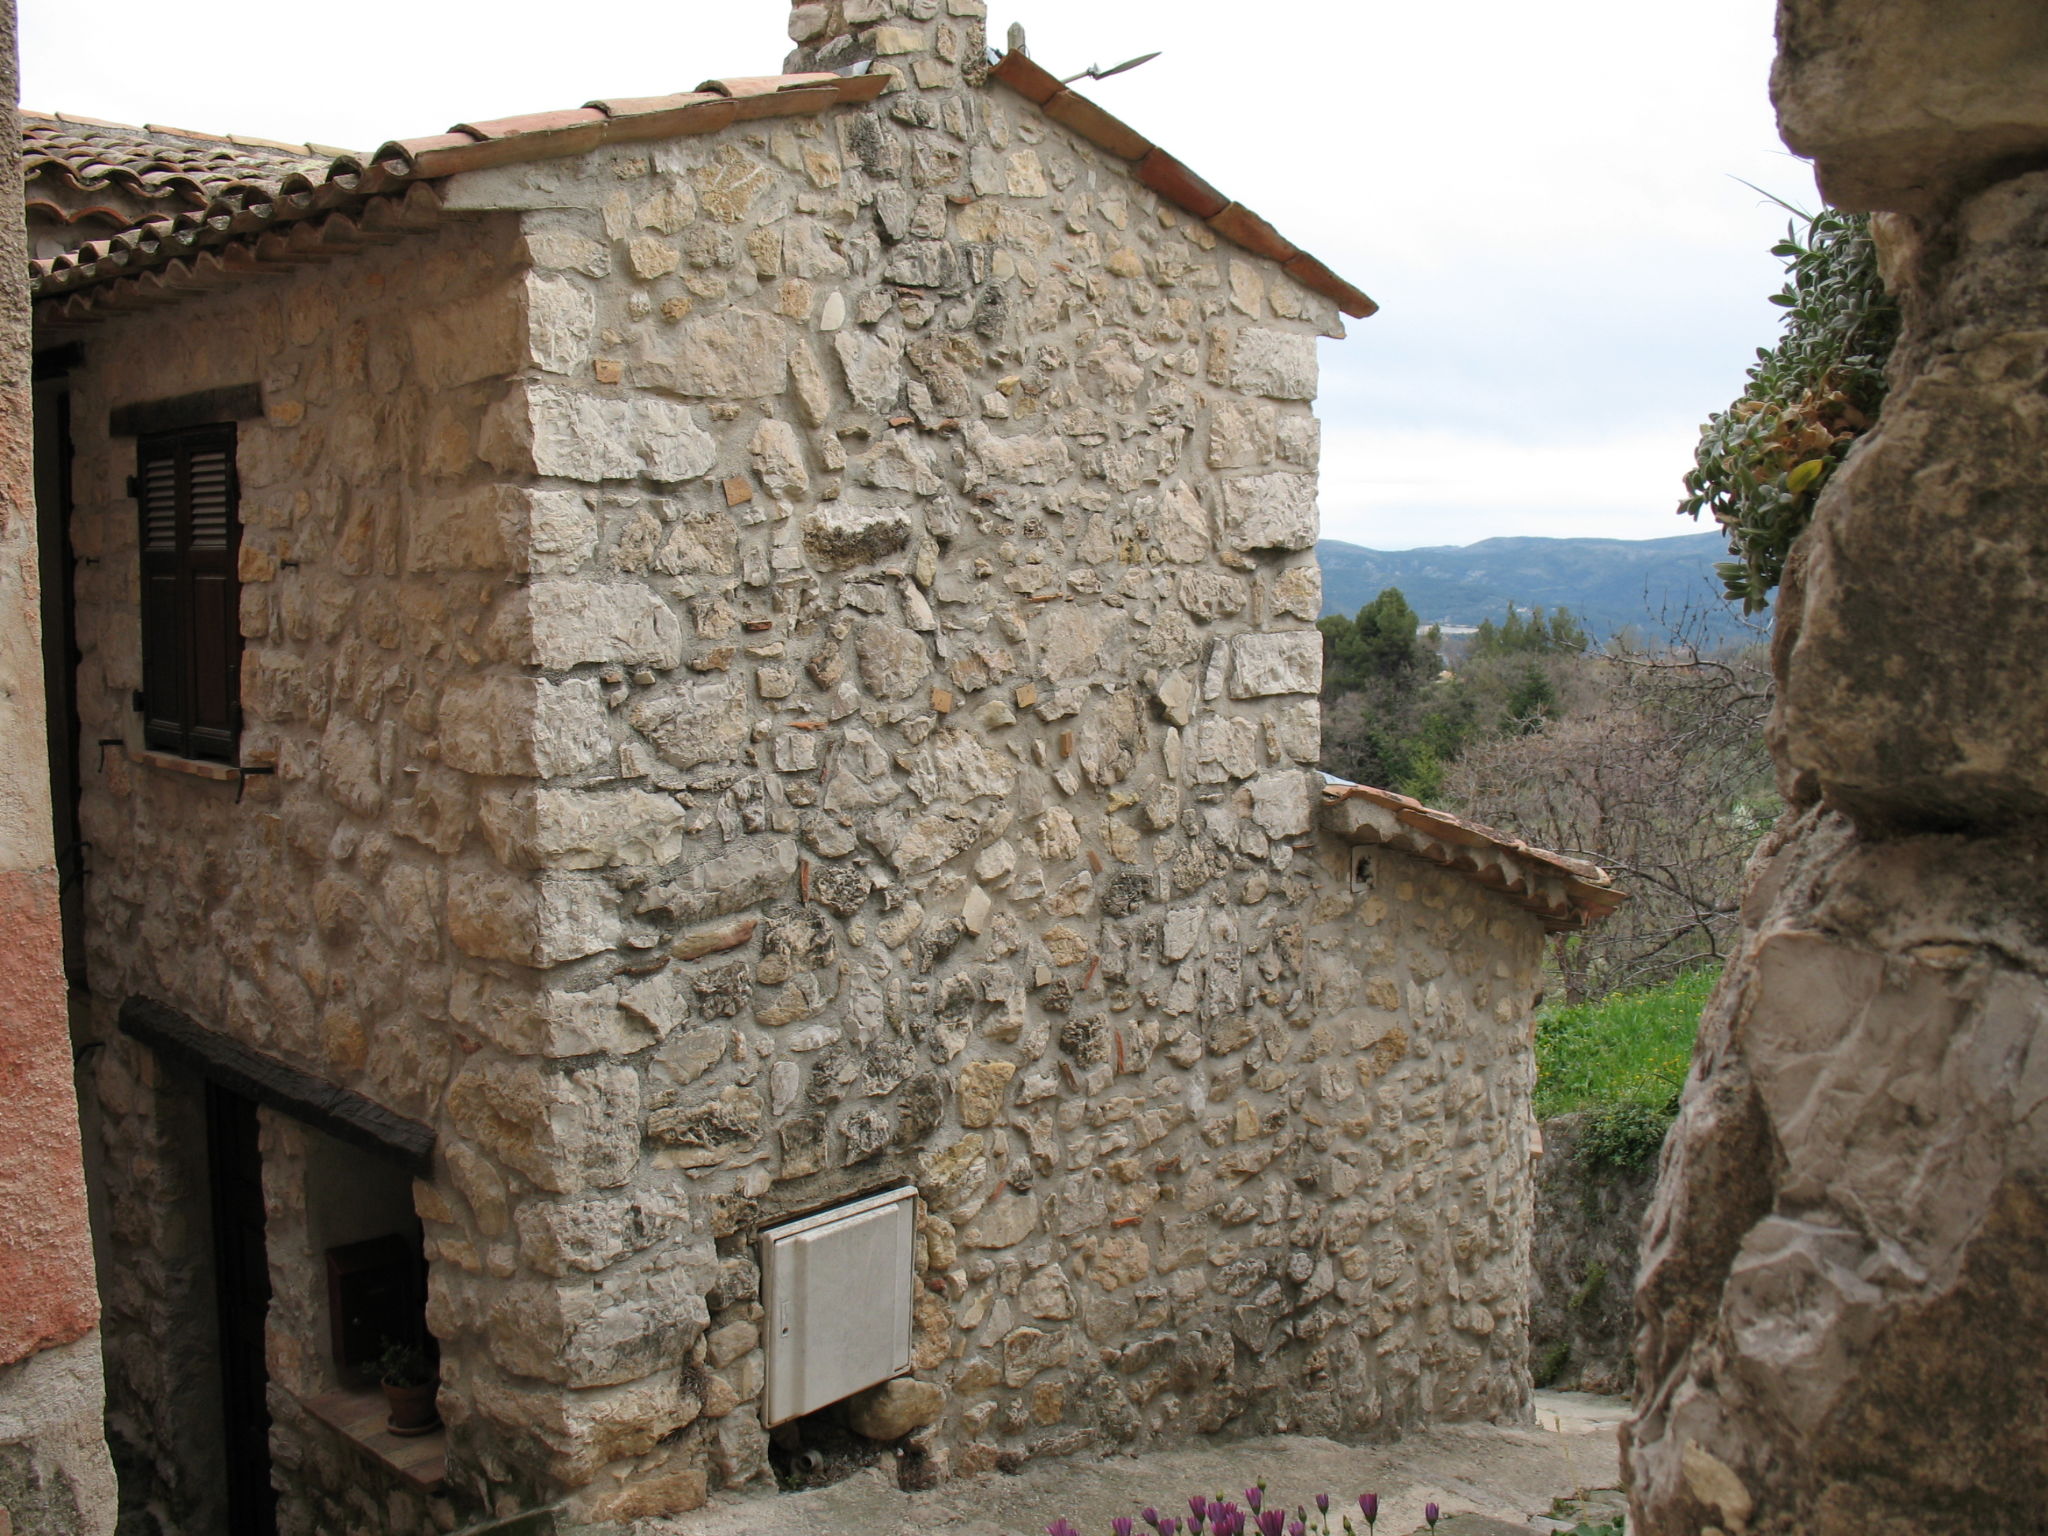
(1323,1502)
(1369,1506)
(1430,1514)
(1296,1528)
(1061,1527)
(1254,1497)
(1272,1522)
(1168,1525)
(1121,1525)
(1150,1516)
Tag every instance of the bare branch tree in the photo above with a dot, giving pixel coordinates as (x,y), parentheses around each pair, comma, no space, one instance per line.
(1665,781)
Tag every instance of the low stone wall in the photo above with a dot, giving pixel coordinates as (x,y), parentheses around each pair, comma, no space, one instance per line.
(1588,1235)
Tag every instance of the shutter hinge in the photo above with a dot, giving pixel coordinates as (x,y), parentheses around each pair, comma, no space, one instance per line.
(244,775)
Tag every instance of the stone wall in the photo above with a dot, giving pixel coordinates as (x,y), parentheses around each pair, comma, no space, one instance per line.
(54,1476)
(960,706)
(1843,1302)
(808,683)
(1585,1245)
(302,912)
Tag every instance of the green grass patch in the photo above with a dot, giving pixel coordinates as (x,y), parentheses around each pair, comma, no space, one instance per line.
(1631,1048)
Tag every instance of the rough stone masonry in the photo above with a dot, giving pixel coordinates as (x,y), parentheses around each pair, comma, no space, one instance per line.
(788,660)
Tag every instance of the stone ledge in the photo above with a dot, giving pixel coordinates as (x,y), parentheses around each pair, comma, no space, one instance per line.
(421,1461)
(192,767)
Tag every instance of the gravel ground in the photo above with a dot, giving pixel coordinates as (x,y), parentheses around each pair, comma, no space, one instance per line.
(1492,1473)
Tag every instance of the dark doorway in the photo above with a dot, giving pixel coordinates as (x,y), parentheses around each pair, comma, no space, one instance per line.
(242,1275)
(60,640)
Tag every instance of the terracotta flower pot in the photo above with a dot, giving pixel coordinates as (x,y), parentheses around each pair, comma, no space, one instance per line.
(412,1408)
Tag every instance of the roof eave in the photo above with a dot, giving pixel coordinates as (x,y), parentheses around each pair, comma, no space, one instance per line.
(77,285)
(1566,895)
(1167,176)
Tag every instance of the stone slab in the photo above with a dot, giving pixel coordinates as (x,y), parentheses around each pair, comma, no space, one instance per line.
(344,1115)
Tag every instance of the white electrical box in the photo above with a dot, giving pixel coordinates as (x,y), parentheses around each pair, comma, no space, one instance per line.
(837,1289)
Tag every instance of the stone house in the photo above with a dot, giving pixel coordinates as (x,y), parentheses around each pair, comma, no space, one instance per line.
(54,1472)
(647,673)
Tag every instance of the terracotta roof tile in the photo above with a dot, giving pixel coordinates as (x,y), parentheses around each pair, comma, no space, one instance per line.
(768,85)
(1566,894)
(1096,125)
(630,106)
(1239,224)
(172,167)
(186,194)
(533,122)
(1172,180)
(1022,74)
(1179,185)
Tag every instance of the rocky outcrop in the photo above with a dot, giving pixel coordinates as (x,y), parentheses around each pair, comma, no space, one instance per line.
(1843,1302)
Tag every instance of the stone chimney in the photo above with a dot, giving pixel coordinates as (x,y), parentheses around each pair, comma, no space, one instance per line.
(927,44)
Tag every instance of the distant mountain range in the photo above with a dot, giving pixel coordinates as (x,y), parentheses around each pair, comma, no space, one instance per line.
(1607,583)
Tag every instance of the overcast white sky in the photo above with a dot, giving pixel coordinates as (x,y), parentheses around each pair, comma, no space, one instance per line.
(1543,198)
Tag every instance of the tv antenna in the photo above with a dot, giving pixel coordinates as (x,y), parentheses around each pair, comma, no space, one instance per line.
(1097,72)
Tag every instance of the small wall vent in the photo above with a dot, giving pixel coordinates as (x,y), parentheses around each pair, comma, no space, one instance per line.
(1361,869)
(837,1286)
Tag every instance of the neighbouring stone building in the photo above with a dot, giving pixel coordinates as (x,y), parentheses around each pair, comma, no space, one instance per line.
(1843,1299)
(55,1479)
(772,660)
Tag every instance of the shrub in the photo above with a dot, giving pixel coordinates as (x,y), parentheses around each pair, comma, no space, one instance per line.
(1762,462)
(1626,1136)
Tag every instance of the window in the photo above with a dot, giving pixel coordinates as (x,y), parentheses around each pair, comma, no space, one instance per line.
(186,492)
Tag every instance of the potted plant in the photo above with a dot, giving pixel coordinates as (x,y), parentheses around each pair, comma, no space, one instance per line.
(410,1380)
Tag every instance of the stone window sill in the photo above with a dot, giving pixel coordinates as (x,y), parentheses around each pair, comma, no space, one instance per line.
(420,1461)
(194,767)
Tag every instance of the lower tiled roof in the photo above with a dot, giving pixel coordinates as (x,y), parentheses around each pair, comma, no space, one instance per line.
(67,161)
(1566,894)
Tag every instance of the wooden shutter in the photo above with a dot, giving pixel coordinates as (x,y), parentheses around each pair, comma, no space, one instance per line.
(186,494)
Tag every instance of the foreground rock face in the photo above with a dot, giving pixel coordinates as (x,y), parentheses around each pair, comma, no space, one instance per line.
(1909,650)
(1844,1300)
(1901,103)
